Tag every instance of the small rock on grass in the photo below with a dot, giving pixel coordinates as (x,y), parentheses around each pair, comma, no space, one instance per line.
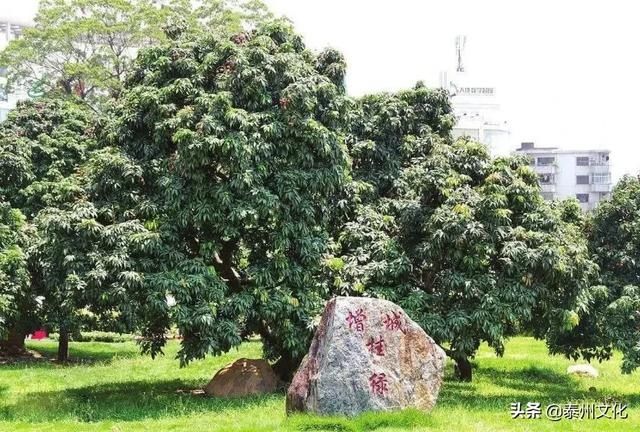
(584,370)
(243,377)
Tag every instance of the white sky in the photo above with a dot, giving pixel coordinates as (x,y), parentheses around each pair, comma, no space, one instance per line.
(567,72)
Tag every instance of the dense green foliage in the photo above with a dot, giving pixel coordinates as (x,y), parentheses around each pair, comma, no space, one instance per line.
(84,264)
(233,188)
(87,47)
(16,303)
(41,145)
(79,243)
(82,47)
(611,311)
(241,155)
(464,243)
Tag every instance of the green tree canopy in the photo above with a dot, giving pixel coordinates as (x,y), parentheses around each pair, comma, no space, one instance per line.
(463,242)
(75,198)
(16,303)
(240,147)
(87,47)
(41,143)
(84,267)
(611,311)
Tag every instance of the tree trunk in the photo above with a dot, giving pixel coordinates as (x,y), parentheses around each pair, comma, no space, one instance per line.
(285,367)
(223,263)
(63,346)
(14,343)
(464,372)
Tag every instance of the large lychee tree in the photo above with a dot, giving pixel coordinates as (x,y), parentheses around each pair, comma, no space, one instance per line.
(42,143)
(243,162)
(465,243)
(611,317)
(66,223)
(16,301)
(84,255)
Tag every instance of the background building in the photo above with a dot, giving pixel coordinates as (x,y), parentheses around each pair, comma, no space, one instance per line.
(476,106)
(10,29)
(582,174)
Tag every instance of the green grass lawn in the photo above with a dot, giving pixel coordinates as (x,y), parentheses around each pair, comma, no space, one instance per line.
(112,388)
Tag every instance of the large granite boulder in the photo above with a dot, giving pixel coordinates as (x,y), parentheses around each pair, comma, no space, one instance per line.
(243,377)
(367,355)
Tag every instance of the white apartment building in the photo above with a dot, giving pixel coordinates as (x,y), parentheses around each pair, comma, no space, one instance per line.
(476,106)
(581,174)
(10,28)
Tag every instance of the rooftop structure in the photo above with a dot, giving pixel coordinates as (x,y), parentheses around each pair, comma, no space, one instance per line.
(476,106)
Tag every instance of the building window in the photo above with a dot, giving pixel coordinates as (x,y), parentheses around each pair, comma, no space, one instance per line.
(601,178)
(544,161)
(545,178)
(582,179)
(582,161)
(601,159)
(583,198)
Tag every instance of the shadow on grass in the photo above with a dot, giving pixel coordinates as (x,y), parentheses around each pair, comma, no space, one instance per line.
(127,401)
(80,353)
(530,384)
(493,391)
(150,400)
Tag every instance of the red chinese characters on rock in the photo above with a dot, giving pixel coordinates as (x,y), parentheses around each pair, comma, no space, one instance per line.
(393,321)
(356,320)
(376,346)
(378,384)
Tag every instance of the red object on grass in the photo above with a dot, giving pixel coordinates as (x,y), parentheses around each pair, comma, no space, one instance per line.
(39,334)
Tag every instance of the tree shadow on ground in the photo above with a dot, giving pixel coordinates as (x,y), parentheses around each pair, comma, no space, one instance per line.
(126,401)
(530,384)
(144,400)
(79,354)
